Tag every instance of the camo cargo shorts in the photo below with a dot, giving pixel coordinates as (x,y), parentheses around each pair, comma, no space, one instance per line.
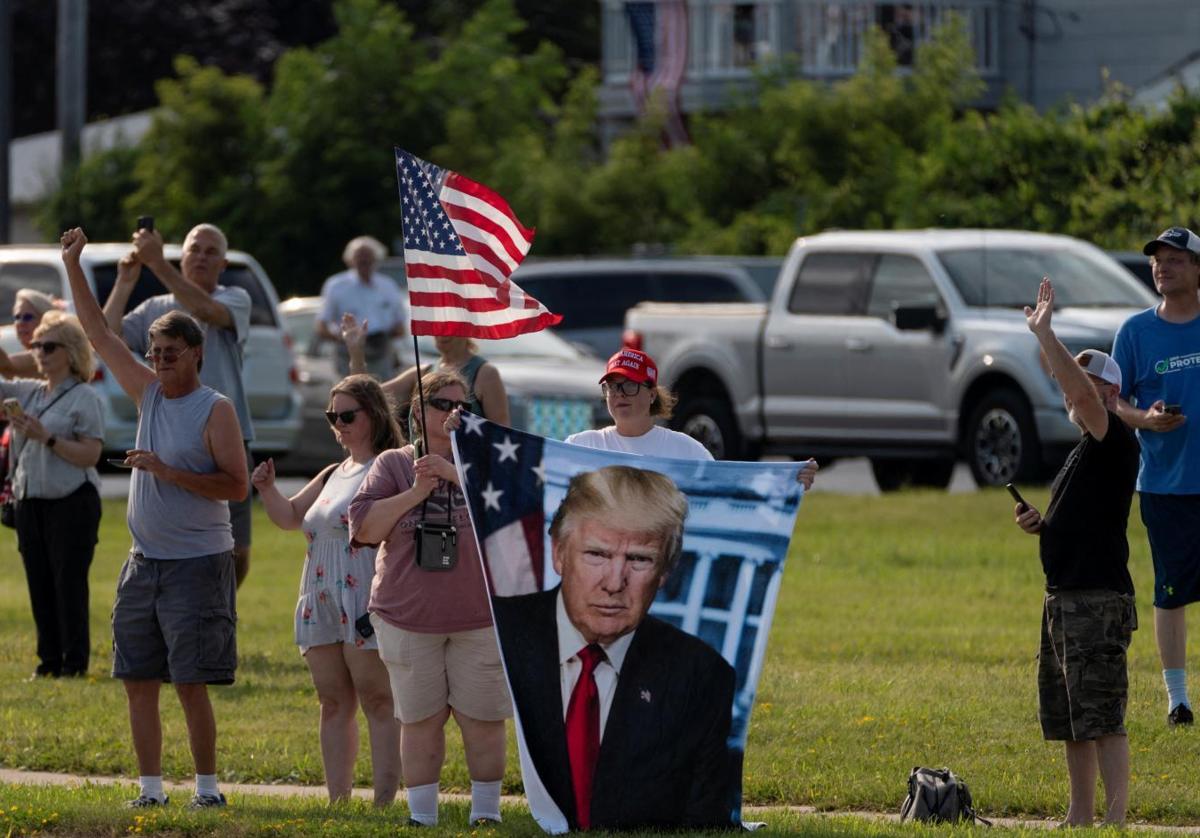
(1083,684)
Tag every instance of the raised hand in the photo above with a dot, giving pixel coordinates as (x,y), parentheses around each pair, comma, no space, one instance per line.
(264,474)
(129,269)
(72,242)
(1038,319)
(354,334)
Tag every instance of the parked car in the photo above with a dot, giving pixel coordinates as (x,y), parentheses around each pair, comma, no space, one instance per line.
(592,295)
(1137,264)
(910,348)
(553,387)
(270,371)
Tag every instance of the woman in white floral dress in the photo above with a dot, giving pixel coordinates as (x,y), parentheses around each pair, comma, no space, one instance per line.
(332,628)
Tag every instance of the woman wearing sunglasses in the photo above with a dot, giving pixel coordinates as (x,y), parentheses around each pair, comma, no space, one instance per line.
(332,625)
(637,402)
(29,306)
(58,428)
(434,621)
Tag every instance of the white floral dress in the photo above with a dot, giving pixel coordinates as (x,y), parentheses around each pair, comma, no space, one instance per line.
(336,582)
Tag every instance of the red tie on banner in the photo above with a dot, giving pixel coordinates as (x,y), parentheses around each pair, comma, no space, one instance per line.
(583,733)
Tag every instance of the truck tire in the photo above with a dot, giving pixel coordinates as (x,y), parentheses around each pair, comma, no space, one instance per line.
(894,474)
(709,421)
(890,475)
(1001,444)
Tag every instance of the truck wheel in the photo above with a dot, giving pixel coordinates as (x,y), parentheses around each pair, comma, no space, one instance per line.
(890,475)
(709,421)
(1001,442)
(932,474)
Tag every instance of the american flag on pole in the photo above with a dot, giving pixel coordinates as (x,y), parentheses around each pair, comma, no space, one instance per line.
(507,483)
(660,40)
(461,244)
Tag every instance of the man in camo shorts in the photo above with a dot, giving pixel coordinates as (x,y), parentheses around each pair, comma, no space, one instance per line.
(1089,613)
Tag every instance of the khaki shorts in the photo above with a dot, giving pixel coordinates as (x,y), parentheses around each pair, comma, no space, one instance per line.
(432,671)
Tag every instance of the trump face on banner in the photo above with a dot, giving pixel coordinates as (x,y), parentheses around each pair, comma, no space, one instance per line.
(625,717)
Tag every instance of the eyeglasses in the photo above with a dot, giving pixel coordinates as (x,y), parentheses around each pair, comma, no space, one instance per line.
(166,356)
(625,388)
(44,346)
(447,405)
(25,317)
(346,416)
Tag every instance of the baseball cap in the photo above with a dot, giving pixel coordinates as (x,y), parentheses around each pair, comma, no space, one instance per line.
(1180,238)
(1100,365)
(634,365)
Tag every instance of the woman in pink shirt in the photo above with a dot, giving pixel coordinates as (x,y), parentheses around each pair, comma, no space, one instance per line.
(434,624)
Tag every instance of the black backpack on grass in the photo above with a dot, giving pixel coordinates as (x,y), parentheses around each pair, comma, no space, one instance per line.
(937,795)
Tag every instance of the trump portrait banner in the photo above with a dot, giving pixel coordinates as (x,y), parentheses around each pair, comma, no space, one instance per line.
(633,599)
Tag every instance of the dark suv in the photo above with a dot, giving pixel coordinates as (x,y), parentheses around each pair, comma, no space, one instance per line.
(592,295)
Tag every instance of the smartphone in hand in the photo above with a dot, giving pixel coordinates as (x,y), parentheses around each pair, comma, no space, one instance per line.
(145,222)
(13,408)
(119,462)
(1173,409)
(1021,504)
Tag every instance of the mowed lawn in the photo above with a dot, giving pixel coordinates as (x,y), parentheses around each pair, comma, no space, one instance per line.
(906,634)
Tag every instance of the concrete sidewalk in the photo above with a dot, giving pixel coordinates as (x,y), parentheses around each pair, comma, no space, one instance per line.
(752,813)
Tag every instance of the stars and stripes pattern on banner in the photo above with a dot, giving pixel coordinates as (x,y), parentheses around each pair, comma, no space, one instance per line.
(461,244)
(505,488)
(660,41)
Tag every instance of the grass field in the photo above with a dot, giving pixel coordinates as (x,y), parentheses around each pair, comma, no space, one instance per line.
(906,634)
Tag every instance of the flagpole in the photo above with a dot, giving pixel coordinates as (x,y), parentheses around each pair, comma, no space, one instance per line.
(421,395)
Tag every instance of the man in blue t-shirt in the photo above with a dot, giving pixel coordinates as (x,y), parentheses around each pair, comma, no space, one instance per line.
(1158,351)
(223,313)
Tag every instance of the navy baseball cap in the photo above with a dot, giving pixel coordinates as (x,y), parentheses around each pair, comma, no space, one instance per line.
(1180,238)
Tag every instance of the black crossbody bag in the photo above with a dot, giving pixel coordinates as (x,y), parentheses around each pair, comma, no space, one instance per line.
(437,541)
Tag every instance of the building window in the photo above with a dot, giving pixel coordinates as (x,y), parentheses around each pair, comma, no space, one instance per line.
(742,35)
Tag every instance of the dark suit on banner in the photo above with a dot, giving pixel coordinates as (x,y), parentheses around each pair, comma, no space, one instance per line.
(664,760)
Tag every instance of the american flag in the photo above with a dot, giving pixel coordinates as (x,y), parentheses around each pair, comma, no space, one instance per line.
(504,484)
(461,243)
(660,39)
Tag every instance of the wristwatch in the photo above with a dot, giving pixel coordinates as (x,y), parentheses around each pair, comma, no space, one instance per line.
(51,441)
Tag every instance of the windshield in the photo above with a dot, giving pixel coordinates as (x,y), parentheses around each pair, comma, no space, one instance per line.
(1009,278)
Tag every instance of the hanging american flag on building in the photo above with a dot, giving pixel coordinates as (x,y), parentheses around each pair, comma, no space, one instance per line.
(461,244)
(660,41)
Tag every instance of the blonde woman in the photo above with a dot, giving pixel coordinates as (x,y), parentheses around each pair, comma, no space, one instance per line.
(29,306)
(58,430)
(332,624)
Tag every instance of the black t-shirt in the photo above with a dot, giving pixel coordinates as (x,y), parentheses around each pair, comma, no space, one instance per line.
(1083,543)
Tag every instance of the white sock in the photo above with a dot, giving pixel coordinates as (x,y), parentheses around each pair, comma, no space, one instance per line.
(1176,681)
(207,784)
(423,803)
(485,800)
(152,787)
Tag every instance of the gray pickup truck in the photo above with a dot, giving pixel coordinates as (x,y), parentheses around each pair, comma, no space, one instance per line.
(908,347)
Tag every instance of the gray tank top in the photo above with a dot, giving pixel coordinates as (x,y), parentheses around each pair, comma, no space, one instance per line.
(168,521)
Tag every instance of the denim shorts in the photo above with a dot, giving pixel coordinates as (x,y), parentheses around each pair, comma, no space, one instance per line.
(1083,682)
(175,620)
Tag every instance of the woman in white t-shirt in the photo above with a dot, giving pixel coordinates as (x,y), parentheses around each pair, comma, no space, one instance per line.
(636,402)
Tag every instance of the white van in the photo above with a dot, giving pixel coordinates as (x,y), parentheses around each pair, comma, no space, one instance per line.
(270,369)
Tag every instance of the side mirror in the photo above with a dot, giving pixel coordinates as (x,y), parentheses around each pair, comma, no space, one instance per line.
(918,317)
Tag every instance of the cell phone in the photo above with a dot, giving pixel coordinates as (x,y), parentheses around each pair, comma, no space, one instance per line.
(13,408)
(1173,409)
(145,222)
(119,462)
(363,626)
(1012,490)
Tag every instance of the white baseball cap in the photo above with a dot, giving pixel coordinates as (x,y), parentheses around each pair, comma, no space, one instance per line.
(1100,365)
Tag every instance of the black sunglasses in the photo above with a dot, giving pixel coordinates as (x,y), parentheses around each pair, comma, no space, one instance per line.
(45,346)
(347,416)
(447,405)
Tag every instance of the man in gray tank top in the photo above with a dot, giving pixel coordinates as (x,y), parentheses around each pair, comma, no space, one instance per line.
(224,316)
(175,612)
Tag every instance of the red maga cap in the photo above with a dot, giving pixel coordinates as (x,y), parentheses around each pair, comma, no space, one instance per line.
(634,365)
